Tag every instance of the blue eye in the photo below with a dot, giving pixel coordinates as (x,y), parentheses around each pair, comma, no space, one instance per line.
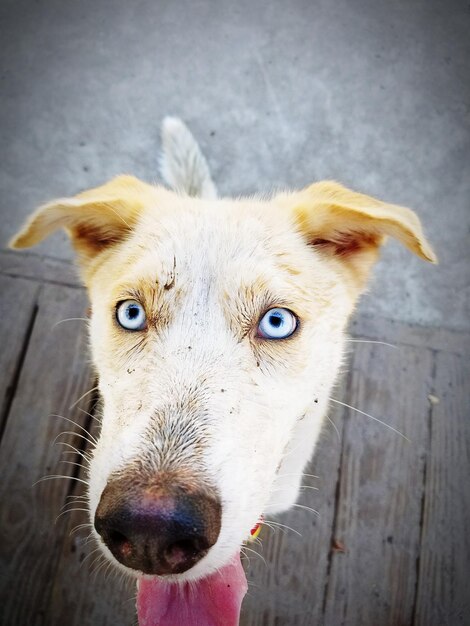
(277,324)
(131,315)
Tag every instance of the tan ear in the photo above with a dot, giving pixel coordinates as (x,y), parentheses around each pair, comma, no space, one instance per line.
(352,226)
(94,219)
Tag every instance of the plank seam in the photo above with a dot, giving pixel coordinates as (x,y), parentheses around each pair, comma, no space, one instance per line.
(12,387)
(334,525)
(423,495)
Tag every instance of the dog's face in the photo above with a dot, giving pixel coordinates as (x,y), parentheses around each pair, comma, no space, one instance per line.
(217,334)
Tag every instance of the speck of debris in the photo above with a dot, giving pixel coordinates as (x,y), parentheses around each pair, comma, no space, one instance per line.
(390,539)
(222,390)
(86,168)
(338,546)
(212,133)
(316,400)
(257,363)
(129,371)
(433,400)
(190,347)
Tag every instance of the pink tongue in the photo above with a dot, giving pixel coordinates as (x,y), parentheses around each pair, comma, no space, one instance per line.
(212,601)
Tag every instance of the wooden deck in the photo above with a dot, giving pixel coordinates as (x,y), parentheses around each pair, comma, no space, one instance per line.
(390,544)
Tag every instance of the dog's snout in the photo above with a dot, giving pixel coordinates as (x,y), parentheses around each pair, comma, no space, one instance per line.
(157,532)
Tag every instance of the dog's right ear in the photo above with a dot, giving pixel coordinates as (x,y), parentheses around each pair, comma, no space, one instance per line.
(94,219)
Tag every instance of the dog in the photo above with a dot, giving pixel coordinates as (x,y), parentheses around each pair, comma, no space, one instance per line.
(217,332)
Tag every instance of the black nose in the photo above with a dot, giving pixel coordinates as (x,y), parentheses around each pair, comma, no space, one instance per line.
(156,532)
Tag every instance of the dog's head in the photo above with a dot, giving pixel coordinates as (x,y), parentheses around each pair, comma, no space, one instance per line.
(217,333)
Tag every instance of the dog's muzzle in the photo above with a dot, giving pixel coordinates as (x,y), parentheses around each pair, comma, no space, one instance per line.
(157,529)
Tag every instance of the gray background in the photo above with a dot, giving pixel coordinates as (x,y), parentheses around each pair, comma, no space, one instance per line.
(373,93)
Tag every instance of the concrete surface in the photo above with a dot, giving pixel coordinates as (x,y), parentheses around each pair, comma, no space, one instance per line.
(374,93)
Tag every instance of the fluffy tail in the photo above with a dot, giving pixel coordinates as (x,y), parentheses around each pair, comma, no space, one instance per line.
(182,164)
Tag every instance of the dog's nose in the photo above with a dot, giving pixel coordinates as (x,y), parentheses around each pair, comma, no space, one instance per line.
(158,533)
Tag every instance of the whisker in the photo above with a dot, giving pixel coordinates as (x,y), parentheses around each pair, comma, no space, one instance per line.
(52,476)
(71,463)
(76,497)
(300,487)
(298,506)
(242,552)
(107,571)
(98,549)
(382,343)
(348,406)
(282,526)
(75,424)
(79,527)
(71,432)
(89,538)
(84,455)
(89,415)
(69,511)
(99,560)
(268,525)
(306,508)
(102,560)
(302,474)
(124,585)
(83,396)
(257,554)
(71,319)
(258,542)
(334,426)
(83,500)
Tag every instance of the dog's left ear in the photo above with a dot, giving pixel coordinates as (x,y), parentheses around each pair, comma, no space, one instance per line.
(94,219)
(351,226)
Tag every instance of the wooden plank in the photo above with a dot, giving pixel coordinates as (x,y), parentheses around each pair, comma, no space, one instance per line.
(443,590)
(54,374)
(373,580)
(288,588)
(17,312)
(39,268)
